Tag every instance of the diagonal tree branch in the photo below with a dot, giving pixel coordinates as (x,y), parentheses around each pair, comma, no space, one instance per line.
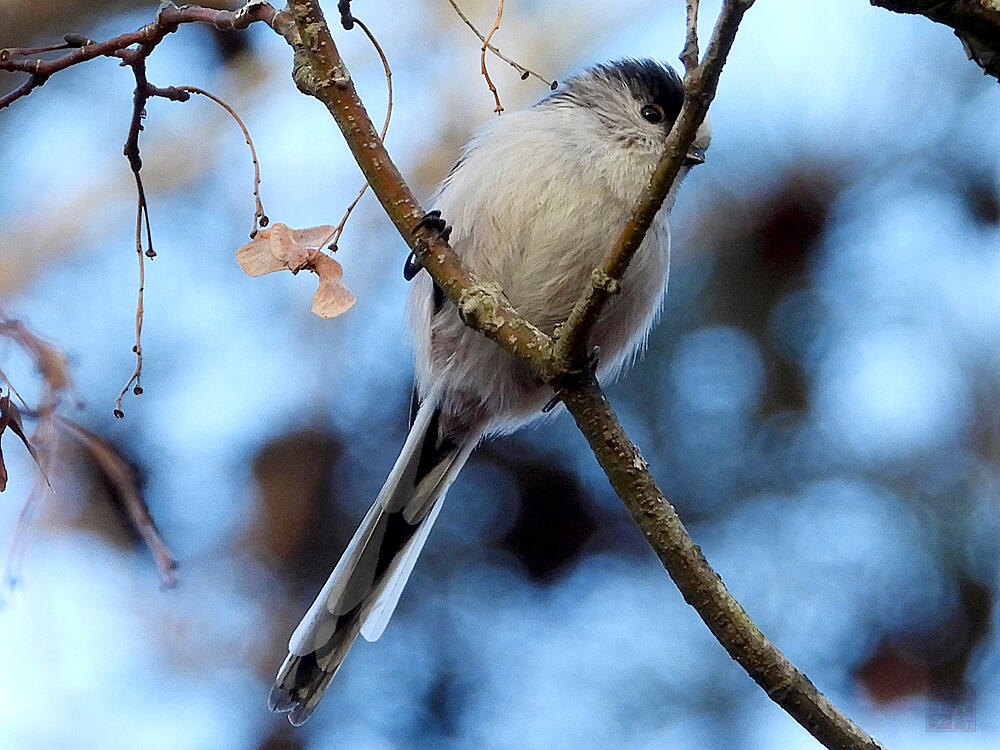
(975,22)
(700,83)
(698,582)
(320,72)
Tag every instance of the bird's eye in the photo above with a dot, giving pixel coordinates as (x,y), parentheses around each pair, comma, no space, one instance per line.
(652,113)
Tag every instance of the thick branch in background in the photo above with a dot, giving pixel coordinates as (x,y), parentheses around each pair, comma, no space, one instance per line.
(975,22)
(320,72)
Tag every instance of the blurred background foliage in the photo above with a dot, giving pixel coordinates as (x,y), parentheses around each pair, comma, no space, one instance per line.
(820,400)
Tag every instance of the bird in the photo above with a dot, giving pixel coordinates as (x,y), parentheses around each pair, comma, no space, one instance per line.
(534,203)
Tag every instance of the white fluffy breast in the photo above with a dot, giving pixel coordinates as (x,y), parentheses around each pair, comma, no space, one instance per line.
(535,203)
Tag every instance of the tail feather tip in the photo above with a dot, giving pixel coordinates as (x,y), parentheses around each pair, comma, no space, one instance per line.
(298,715)
(280,699)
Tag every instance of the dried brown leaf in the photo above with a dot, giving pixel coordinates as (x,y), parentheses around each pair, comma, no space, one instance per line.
(285,247)
(255,257)
(332,297)
(279,247)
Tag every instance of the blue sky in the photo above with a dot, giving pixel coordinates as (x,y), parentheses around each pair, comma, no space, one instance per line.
(906,286)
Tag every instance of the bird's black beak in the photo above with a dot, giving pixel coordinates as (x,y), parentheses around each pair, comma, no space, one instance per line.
(694,156)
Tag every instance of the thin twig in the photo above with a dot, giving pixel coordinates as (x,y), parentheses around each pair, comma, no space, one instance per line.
(137,347)
(259,217)
(10,387)
(347,19)
(33,82)
(168,19)
(32,51)
(338,230)
(523,71)
(689,55)
(482,58)
(137,61)
(144,90)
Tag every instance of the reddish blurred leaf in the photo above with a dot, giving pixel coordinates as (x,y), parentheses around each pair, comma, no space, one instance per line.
(50,361)
(3,468)
(280,247)
(118,472)
(10,418)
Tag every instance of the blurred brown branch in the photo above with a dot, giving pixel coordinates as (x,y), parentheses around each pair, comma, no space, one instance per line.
(56,384)
(126,490)
(51,364)
(975,22)
(320,72)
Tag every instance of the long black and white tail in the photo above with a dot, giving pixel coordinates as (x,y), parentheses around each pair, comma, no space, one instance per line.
(363,589)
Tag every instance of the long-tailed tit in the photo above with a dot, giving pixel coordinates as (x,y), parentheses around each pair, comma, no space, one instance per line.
(535,202)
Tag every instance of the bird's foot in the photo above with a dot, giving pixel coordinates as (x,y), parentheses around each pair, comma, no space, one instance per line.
(593,359)
(590,368)
(432,220)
